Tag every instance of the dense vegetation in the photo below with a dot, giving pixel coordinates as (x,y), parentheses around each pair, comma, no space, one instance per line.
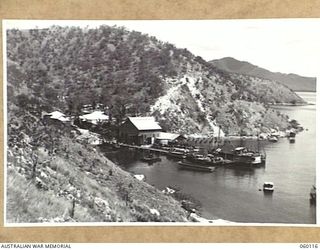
(67,67)
(130,73)
(105,65)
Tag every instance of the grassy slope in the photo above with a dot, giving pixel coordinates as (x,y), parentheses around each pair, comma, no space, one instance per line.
(80,172)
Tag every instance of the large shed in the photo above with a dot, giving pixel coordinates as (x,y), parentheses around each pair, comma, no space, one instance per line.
(139,130)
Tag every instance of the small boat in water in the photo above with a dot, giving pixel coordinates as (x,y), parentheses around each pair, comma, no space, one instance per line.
(273,138)
(292,137)
(241,156)
(209,160)
(268,187)
(178,153)
(245,157)
(198,158)
(292,140)
(196,167)
(150,157)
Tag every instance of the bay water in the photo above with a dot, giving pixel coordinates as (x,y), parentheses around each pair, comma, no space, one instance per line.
(235,194)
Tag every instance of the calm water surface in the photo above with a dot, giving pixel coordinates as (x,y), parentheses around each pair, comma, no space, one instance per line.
(233,194)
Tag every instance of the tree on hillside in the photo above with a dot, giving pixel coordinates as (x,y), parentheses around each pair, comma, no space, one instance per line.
(118,108)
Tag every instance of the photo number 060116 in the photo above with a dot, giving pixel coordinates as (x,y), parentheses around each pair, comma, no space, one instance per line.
(166,122)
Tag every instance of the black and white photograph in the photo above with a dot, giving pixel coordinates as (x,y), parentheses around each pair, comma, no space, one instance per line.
(160,122)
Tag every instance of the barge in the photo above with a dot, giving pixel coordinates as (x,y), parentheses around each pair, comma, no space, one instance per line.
(196,167)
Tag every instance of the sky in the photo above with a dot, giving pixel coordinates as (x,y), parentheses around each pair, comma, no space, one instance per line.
(279,45)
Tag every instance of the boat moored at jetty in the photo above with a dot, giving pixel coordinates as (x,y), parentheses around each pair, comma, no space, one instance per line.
(178,153)
(209,160)
(241,156)
(193,166)
(273,138)
(150,158)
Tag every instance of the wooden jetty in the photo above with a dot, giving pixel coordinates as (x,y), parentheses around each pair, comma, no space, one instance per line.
(144,148)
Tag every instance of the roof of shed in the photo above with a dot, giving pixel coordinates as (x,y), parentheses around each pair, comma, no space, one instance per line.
(145,123)
(58,116)
(96,115)
(167,136)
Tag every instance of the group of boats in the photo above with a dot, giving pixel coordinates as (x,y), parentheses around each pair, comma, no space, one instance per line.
(192,159)
(291,135)
(240,156)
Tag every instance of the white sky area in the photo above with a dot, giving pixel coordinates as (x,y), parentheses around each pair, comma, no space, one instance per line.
(279,45)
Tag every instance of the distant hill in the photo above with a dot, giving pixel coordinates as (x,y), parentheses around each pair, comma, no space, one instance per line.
(293,81)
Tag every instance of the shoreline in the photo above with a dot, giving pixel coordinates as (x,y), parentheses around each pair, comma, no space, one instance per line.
(289,104)
(194,216)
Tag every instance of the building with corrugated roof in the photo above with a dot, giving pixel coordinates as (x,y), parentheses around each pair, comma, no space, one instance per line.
(57,115)
(95,117)
(165,138)
(139,130)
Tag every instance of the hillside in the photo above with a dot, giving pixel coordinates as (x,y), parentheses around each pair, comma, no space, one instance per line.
(292,81)
(69,67)
(51,176)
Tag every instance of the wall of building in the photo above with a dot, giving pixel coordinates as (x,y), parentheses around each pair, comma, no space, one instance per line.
(128,133)
(148,137)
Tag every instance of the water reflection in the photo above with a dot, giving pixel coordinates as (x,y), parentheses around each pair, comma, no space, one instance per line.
(240,172)
(235,193)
